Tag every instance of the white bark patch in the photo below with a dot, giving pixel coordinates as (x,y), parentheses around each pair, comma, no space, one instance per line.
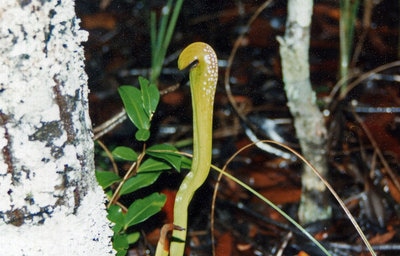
(50,202)
(300,11)
(63,235)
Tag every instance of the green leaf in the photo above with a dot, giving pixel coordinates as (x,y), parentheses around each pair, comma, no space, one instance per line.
(166,152)
(106,179)
(154,95)
(121,252)
(132,99)
(117,228)
(186,162)
(142,209)
(116,215)
(124,153)
(120,242)
(139,181)
(153,165)
(143,82)
(133,237)
(142,135)
(150,96)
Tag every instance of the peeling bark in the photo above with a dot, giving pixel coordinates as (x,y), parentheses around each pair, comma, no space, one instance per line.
(50,202)
(308,120)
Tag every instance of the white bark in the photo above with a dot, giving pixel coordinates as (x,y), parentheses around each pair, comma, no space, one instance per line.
(308,120)
(50,202)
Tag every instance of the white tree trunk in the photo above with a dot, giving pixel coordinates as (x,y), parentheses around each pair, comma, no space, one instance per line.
(308,120)
(50,202)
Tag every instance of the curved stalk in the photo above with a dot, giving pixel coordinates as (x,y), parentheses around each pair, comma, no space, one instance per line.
(203,80)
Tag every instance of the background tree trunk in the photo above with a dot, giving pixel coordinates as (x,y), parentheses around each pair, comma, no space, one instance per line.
(50,202)
(308,120)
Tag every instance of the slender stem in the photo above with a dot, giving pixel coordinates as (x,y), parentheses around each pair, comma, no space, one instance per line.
(129,173)
(109,155)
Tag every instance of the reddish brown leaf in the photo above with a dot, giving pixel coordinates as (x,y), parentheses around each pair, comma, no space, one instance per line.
(224,245)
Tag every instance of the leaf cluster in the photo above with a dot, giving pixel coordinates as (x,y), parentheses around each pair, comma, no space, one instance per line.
(140,105)
(145,167)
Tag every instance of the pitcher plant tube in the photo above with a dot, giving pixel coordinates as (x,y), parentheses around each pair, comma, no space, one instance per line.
(203,76)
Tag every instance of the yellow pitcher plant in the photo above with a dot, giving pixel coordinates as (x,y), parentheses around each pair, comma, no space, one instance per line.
(203,76)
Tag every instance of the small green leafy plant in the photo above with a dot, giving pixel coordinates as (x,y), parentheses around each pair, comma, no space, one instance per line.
(144,167)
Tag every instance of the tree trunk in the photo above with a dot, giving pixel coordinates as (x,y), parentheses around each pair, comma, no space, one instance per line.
(50,202)
(308,120)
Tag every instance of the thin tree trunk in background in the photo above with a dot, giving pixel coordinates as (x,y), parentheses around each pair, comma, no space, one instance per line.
(308,119)
(50,202)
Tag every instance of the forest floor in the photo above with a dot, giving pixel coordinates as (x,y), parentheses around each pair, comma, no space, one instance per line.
(363,125)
